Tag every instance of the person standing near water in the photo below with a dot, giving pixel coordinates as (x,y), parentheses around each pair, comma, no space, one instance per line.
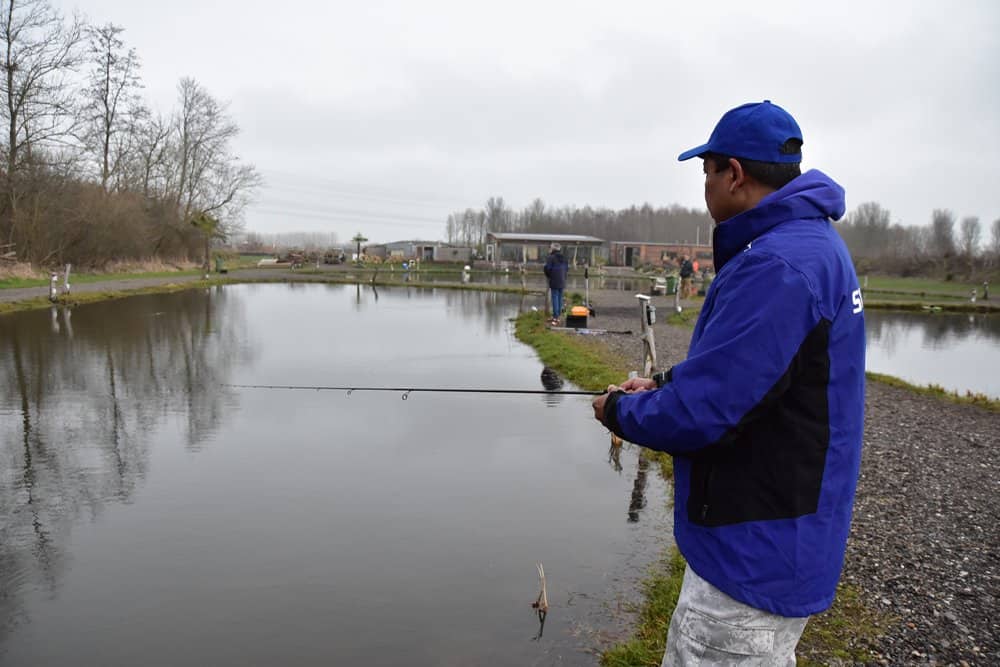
(764,418)
(687,270)
(556,270)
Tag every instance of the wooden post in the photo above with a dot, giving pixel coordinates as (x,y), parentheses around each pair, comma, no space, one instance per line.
(648,341)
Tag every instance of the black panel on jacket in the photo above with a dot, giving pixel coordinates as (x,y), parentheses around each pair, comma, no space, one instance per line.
(770,465)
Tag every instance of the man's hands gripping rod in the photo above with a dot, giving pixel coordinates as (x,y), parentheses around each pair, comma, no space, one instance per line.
(629,386)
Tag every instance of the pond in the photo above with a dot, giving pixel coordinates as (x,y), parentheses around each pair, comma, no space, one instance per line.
(958,351)
(151,515)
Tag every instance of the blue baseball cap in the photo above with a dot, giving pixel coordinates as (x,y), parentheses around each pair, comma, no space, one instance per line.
(755,131)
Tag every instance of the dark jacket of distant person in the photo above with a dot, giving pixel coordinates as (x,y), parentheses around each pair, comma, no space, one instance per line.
(556,269)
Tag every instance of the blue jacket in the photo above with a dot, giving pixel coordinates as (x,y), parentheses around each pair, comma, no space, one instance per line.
(556,269)
(765,416)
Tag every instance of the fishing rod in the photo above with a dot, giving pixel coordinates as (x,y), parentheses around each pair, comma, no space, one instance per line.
(406,391)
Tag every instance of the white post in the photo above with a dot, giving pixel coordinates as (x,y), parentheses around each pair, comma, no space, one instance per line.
(66,280)
(53,287)
(648,342)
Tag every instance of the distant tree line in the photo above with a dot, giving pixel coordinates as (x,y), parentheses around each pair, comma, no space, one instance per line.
(946,248)
(89,172)
(257,242)
(673,224)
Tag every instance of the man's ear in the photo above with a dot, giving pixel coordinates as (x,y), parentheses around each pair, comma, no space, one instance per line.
(738,176)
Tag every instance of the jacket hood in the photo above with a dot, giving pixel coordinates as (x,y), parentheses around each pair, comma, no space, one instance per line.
(811,195)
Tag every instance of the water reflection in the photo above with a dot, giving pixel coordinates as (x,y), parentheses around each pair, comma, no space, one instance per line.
(947,349)
(615,456)
(100,378)
(268,524)
(638,500)
(552,382)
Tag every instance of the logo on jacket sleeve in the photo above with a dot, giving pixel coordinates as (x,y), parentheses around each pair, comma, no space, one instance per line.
(858,303)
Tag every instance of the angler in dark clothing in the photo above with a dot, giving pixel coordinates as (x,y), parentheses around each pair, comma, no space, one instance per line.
(764,418)
(556,269)
(687,271)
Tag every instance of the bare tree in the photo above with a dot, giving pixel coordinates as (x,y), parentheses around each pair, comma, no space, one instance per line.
(497,219)
(995,240)
(112,106)
(210,180)
(943,233)
(149,167)
(39,53)
(971,233)
(866,230)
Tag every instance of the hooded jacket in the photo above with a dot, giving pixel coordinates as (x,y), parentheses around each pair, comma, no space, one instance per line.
(556,269)
(764,418)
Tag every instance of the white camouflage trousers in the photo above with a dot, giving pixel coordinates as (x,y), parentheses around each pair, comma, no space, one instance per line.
(710,628)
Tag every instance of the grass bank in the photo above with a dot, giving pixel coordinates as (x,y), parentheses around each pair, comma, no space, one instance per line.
(79,297)
(937,391)
(842,633)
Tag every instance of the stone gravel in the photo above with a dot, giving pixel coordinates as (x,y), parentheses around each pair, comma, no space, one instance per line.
(925,539)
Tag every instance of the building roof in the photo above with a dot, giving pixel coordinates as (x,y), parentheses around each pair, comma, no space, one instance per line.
(663,243)
(412,242)
(545,238)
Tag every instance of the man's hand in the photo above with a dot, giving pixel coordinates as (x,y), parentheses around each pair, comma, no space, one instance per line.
(630,386)
(633,385)
(598,403)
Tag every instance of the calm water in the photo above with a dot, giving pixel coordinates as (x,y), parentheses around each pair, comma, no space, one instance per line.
(148,515)
(955,350)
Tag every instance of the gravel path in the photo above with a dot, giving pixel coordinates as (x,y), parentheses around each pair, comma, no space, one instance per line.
(925,540)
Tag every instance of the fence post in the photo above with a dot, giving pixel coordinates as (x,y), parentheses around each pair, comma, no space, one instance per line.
(646,318)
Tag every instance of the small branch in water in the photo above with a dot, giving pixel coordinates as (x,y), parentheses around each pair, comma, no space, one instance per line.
(542,603)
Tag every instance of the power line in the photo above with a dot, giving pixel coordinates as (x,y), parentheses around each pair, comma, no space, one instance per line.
(332,218)
(327,191)
(339,210)
(375,190)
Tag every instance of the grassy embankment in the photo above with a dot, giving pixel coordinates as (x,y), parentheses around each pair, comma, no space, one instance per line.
(892,293)
(23,275)
(13,282)
(386,279)
(843,632)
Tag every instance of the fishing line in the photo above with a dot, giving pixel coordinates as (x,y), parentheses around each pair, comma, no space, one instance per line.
(406,391)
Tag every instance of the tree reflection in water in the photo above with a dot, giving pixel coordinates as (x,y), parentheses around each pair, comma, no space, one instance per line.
(945,349)
(82,394)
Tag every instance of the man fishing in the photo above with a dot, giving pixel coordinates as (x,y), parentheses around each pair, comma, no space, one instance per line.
(764,418)
(556,268)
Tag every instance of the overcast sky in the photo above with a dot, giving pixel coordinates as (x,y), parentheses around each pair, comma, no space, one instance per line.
(384,116)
